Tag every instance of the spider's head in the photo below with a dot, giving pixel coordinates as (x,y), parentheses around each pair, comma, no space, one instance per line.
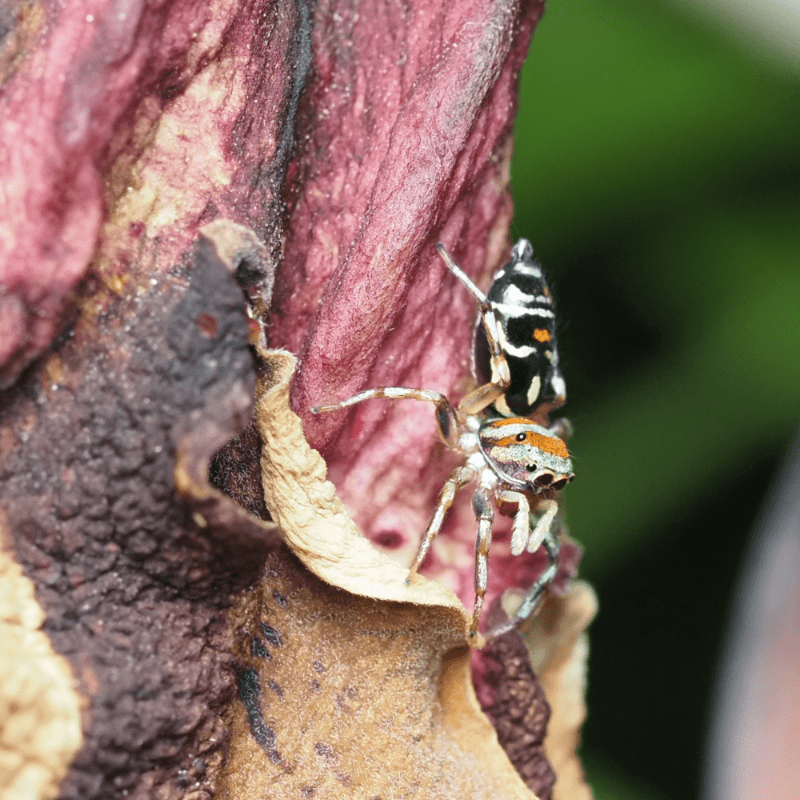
(525,455)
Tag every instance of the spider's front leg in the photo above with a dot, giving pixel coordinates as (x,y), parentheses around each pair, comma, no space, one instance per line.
(544,533)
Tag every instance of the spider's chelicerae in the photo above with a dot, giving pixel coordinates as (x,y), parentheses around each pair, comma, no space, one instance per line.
(514,461)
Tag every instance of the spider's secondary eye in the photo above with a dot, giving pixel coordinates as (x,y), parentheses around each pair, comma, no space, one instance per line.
(520,437)
(531,467)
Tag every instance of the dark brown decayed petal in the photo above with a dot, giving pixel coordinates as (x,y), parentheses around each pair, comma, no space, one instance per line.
(134,577)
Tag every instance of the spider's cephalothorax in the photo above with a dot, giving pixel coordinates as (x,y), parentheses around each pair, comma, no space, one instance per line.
(525,455)
(514,461)
(519,309)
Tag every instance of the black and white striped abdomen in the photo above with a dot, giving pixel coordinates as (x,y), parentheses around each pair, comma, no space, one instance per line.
(523,307)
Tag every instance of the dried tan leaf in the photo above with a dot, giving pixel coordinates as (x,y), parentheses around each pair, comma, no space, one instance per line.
(345,696)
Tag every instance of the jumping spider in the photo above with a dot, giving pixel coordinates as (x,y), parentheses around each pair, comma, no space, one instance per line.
(513,460)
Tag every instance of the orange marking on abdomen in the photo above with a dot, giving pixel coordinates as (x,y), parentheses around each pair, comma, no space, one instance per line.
(541,335)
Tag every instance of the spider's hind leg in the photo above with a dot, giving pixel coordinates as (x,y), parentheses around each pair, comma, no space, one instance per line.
(482,397)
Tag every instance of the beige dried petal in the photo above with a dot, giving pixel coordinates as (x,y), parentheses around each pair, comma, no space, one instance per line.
(343,696)
(315,524)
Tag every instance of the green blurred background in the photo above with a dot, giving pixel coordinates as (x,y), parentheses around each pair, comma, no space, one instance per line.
(657,173)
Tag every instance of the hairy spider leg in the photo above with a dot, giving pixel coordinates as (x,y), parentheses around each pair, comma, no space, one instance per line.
(461,476)
(445,415)
(482,397)
(484,513)
(552,546)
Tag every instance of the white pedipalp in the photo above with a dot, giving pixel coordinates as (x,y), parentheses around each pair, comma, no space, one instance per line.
(520,528)
(543,525)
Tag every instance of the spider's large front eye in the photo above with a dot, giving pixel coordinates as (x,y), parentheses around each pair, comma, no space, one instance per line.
(520,437)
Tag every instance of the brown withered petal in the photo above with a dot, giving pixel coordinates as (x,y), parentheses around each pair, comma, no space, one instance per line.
(513,698)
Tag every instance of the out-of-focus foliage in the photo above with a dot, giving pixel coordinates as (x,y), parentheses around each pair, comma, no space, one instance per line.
(657,174)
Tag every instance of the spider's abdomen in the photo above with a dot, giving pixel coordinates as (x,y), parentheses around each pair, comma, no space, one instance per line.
(523,306)
(525,455)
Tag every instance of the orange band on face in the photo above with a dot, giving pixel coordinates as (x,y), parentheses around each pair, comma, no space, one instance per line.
(547,444)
